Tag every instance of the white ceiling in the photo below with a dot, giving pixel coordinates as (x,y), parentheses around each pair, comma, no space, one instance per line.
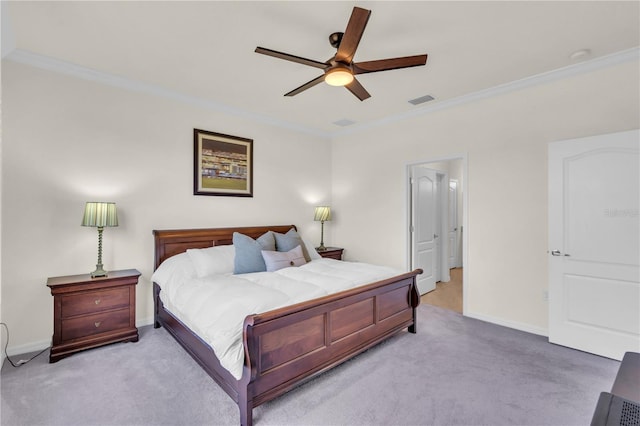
(204,50)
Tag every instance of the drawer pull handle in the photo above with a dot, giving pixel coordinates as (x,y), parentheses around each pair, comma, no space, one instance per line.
(97,323)
(97,301)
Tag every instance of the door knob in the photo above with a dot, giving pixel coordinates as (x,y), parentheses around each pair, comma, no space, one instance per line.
(557,253)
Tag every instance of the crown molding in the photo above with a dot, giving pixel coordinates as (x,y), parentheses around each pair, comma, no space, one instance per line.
(624,56)
(67,68)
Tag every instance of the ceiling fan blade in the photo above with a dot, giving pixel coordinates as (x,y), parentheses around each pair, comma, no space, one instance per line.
(356,88)
(389,64)
(292,58)
(306,86)
(352,35)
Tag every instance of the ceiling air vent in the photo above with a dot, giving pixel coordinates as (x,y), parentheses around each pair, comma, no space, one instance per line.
(421,100)
(344,122)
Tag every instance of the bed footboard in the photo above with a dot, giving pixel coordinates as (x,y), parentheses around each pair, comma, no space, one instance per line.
(288,346)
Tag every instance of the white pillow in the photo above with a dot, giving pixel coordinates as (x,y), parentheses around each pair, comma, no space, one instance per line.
(175,268)
(283,259)
(213,260)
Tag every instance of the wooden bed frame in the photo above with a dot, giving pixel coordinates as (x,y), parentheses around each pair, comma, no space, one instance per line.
(287,346)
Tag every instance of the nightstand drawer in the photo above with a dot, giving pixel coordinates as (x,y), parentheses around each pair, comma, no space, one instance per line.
(94,324)
(94,301)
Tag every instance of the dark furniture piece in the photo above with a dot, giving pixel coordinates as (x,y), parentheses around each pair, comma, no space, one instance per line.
(90,312)
(331,253)
(627,383)
(287,346)
(621,406)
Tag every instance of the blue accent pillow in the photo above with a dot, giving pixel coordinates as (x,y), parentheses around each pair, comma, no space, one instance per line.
(249,252)
(289,241)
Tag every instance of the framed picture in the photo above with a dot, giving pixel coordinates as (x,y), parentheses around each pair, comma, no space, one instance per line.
(222,164)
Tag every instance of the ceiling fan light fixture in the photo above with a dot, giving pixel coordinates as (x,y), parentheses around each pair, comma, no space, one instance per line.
(340,69)
(338,77)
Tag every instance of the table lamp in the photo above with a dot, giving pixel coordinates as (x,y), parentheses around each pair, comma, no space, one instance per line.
(100,214)
(322,213)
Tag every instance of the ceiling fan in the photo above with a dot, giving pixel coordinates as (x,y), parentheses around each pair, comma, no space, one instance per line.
(340,69)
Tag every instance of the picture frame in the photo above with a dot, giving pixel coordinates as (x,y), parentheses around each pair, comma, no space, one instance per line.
(222,164)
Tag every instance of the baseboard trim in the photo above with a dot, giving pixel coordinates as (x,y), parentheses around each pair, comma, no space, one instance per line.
(511,324)
(144,321)
(28,348)
(43,344)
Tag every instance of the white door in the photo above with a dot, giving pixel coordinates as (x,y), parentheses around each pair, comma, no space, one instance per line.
(437,230)
(453,223)
(442,227)
(423,220)
(594,233)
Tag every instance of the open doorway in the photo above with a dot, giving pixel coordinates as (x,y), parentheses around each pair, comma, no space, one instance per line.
(436,239)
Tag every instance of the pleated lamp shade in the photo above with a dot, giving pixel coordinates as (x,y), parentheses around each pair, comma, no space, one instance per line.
(100,214)
(322,213)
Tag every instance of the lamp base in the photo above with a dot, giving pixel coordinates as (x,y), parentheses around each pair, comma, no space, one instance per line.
(99,272)
(321,247)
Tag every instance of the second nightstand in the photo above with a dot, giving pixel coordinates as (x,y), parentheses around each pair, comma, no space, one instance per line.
(331,253)
(90,312)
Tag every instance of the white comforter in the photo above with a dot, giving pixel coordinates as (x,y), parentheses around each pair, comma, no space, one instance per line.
(215,307)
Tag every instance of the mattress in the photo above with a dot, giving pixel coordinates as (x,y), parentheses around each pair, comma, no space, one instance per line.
(215,306)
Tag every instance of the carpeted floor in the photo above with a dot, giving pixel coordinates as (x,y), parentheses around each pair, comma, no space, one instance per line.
(454,371)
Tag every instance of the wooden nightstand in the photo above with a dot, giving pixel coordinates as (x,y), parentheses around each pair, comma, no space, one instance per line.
(331,253)
(90,312)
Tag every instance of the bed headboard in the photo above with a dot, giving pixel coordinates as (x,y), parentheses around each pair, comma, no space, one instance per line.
(171,242)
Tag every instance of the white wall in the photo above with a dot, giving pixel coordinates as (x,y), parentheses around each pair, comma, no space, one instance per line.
(505,139)
(67,141)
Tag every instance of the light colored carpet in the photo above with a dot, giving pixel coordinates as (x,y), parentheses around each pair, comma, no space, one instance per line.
(454,371)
